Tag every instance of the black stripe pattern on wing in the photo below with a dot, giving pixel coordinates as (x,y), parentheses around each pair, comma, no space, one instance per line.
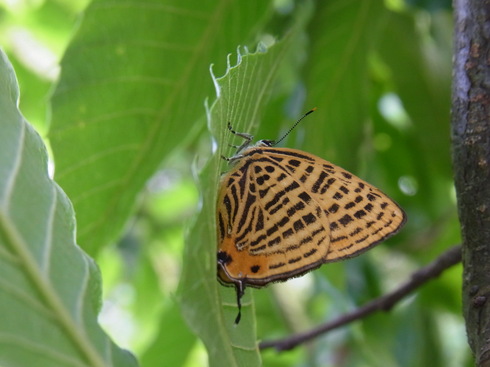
(358,215)
(269,210)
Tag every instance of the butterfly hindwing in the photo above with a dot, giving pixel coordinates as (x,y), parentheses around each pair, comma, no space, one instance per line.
(283,212)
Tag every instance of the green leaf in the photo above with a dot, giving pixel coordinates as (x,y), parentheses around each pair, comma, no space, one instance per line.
(49,288)
(209,308)
(174,350)
(337,75)
(131,91)
(422,80)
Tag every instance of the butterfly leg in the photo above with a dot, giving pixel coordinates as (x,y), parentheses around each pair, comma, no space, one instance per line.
(248,138)
(245,136)
(231,159)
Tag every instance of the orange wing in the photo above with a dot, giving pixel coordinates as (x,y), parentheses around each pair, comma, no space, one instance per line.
(282,212)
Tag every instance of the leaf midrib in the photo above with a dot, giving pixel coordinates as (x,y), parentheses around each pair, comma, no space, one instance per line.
(21,251)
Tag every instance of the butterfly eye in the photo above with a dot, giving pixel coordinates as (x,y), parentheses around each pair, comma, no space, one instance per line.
(265,143)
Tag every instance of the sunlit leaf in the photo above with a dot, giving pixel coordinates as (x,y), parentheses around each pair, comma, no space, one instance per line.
(209,308)
(49,288)
(132,88)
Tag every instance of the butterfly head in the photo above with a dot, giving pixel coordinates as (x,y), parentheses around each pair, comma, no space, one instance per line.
(265,143)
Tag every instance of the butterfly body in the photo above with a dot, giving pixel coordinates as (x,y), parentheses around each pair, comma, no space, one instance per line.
(282,212)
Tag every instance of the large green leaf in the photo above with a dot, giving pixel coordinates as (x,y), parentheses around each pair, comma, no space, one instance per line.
(421,77)
(49,288)
(132,89)
(209,308)
(337,76)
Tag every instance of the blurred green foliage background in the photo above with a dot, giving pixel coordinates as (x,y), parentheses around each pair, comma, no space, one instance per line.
(132,146)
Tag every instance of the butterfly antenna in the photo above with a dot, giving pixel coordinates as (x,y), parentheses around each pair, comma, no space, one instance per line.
(295,124)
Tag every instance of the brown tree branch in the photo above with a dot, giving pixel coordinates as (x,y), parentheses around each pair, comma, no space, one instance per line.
(383,303)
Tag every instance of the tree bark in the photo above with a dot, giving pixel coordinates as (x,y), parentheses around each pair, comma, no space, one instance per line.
(471,161)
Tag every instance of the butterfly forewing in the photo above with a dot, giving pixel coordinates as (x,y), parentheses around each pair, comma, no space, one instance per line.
(282,212)
(269,226)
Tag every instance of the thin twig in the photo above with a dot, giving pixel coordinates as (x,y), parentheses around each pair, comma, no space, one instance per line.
(383,303)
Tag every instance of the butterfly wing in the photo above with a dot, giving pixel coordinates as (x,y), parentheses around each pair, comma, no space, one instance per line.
(268,227)
(282,212)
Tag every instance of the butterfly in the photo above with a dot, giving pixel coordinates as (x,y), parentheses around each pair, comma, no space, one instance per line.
(283,212)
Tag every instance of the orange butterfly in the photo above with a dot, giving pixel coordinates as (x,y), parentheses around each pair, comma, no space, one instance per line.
(282,212)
